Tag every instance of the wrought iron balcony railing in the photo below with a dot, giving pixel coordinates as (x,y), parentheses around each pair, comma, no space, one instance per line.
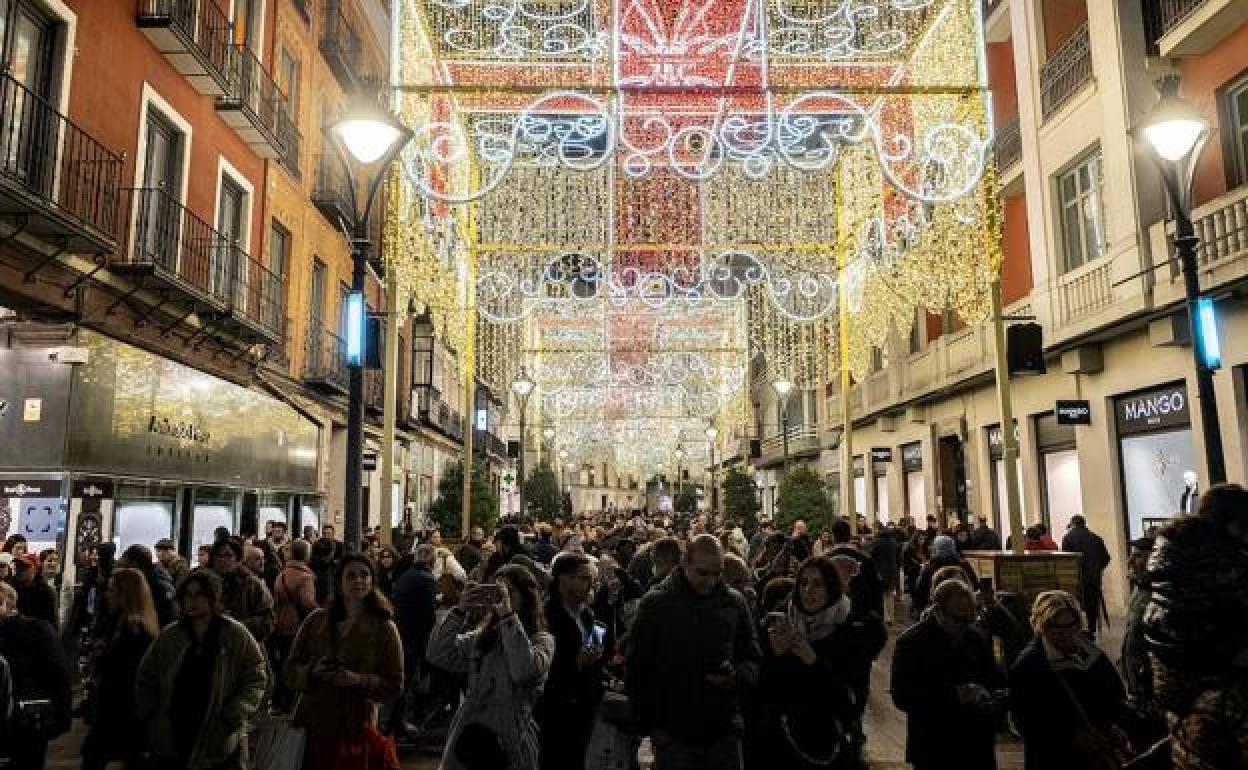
(1009,144)
(194,36)
(58,177)
(331,192)
(1066,72)
(325,359)
(375,390)
(180,250)
(257,302)
(340,45)
(254,106)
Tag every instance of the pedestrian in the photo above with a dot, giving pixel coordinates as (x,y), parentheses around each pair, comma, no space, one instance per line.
(50,566)
(35,598)
(415,613)
(1065,696)
(984,537)
(814,657)
(691,654)
(914,555)
(15,544)
(1196,623)
(203,556)
(387,569)
(469,554)
(544,549)
(244,596)
(323,564)
(566,710)
(41,696)
(200,683)
(1134,665)
(446,563)
(167,555)
(946,681)
(885,550)
(139,556)
(1037,538)
(1093,559)
(327,534)
(506,657)
(113,731)
(294,598)
(345,662)
(665,556)
(944,553)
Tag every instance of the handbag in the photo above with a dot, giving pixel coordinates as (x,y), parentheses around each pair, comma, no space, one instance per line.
(278,743)
(1106,754)
(478,748)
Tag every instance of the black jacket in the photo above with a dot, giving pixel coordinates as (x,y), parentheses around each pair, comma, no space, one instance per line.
(415,613)
(37,600)
(817,703)
(1094,555)
(885,551)
(38,664)
(568,689)
(866,589)
(923,587)
(928,667)
(1043,712)
(677,638)
(113,734)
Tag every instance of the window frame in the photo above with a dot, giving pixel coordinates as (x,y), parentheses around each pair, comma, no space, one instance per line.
(1234,130)
(1070,213)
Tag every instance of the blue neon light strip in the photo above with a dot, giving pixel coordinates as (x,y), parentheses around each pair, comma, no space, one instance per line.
(355,328)
(1207,331)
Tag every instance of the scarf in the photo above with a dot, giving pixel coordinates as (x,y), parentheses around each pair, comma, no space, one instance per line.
(1082,659)
(822,624)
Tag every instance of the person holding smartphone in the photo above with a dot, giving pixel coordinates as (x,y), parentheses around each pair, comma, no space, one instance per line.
(565,712)
(506,657)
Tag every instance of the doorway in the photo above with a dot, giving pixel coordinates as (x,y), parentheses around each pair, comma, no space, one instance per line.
(952,467)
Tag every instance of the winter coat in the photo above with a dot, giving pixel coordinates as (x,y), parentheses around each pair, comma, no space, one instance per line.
(1197,621)
(371,648)
(809,709)
(38,665)
(163,591)
(885,551)
(116,724)
(294,598)
(238,684)
(677,638)
(569,701)
(177,569)
(984,538)
(1214,734)
(928,666)
(1044,714)
(415,613)
(1094,556)
(1134,665)
(247,600)
(37,600)
(504,683)
(923,587)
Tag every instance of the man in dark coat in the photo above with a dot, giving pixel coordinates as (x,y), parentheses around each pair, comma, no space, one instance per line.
(39,669)
(569,702)
(35,598)
(140,557)
(691,654)
(984,537)
(1094,558)
(415,613)
(945,679)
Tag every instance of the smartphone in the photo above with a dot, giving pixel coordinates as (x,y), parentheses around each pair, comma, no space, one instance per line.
(598,636)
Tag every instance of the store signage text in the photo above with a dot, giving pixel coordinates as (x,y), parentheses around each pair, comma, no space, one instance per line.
(1074,413)
(881,454)
(185,431)
(29,489)
(1159,409)
(912,457)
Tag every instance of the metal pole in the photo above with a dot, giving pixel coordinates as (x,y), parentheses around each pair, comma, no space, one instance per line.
(1009,441)
(390,374)
(520,461)
(352,514)
(784,435)
(1185,242)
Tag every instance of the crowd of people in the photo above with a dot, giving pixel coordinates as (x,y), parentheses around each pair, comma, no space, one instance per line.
(613,640)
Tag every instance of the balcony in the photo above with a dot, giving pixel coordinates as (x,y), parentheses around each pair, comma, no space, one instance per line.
(1008,147)
(375,390)
(292,142)
(256,303)
(331,193)
(1222,255)
(340,45)
(57,180)
(803,443)
(491,444)
(177,249)
(1191,27)
(254,106)
(325,360)
(1066,72)
(194,36)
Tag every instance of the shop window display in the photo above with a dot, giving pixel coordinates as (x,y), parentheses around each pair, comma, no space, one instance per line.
(1153,473)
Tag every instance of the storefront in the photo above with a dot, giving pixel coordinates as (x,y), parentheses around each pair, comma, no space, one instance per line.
(133,448)
(1060,485)
(881,459)
(915,485)
(1156,454)
(996,454)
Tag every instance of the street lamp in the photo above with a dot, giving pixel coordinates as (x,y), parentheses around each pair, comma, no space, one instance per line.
(680,459)
(563,458)
(368,139)
(522,387)
(784,389)
(548,433)
(712,433)
(1177,133)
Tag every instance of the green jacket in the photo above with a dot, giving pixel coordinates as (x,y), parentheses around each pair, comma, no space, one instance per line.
(239,684)
(677,639)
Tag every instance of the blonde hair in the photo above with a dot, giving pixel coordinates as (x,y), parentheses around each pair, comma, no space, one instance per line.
(1050,604)
(9,594)
(137,610)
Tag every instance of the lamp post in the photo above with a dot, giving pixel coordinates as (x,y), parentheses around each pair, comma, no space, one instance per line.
(1176,133)
(548,433)
(680,459)
(784,389)
(367,139)
(522,387)
(563,457)
(712,433)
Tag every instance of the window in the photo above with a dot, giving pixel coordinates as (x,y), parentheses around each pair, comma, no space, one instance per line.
(422,355)
(1234,104)
(1080,212)
(288,79)
(344,292)
(316,305)
(279,250)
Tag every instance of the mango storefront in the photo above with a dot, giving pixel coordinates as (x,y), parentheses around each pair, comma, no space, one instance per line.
(124,445)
